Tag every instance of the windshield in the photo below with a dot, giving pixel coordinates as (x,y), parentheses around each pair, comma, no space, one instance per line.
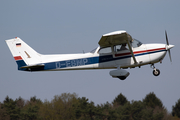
(135,43)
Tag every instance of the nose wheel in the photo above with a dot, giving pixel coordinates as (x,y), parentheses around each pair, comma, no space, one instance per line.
(156,72)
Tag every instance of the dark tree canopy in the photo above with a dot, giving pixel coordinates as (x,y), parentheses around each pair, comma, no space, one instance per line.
(120,100)
(176,109)
(69,106)
(152,101)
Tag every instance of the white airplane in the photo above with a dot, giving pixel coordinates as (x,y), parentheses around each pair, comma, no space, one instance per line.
(117,50)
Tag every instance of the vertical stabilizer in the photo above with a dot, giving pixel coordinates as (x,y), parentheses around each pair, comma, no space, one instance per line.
(23,54)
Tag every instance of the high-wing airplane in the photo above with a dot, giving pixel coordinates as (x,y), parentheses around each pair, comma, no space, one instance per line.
(117,50)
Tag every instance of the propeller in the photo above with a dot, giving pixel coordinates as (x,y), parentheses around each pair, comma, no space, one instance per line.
(168,47)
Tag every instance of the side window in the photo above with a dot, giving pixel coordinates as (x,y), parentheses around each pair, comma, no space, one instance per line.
(121,47)
(105,50)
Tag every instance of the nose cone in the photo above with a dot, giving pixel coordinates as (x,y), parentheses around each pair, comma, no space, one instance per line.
(169,47)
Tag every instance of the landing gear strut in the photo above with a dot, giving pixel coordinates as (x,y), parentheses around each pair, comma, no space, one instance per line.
(156,72)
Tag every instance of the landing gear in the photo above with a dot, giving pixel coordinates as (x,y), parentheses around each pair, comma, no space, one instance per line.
(121,77)
(156,72)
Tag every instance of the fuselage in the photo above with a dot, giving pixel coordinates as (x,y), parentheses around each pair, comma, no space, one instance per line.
(115,56)
(104,58)
(117,50)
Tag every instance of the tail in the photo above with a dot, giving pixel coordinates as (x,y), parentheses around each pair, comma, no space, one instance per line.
(26,58)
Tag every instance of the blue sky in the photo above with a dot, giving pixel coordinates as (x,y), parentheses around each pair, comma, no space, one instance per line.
(76,26)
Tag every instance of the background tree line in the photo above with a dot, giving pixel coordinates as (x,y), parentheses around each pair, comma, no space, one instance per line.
(71,107)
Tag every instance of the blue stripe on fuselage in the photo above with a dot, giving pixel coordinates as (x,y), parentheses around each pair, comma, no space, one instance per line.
(71,63)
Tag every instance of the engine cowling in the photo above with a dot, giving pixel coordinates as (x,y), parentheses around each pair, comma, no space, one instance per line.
(121,74)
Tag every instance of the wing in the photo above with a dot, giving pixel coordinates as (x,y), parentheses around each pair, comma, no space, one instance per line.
(114,38)
(117,38)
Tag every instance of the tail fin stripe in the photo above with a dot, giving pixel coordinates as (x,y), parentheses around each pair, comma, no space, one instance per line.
(18,58)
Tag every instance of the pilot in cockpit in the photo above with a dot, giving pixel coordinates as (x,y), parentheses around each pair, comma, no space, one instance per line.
(123,47)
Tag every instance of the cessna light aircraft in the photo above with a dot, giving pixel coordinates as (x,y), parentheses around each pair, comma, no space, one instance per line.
(117,50)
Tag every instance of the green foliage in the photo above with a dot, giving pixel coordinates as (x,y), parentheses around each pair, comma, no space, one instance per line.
(10,109)
(30,109)
(152,101)
(19,109)
(71,107)
(124,112)
(137,108)
(120,100)
(88,111)
(176,109)
(60,108)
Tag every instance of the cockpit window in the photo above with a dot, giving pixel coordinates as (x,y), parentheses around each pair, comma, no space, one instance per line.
(121,47)
(135,43)
(105,50)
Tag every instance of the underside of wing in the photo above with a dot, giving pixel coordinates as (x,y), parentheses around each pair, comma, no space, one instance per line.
(114,38)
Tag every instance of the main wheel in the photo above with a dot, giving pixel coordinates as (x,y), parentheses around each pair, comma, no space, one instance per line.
(122,77)
(156,72)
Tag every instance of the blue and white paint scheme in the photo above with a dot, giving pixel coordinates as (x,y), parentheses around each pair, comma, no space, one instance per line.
(117,50)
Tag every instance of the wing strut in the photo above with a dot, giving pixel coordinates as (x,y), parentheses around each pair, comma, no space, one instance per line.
(130,48)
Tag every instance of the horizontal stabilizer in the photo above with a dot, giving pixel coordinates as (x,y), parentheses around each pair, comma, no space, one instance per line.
(33,66)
